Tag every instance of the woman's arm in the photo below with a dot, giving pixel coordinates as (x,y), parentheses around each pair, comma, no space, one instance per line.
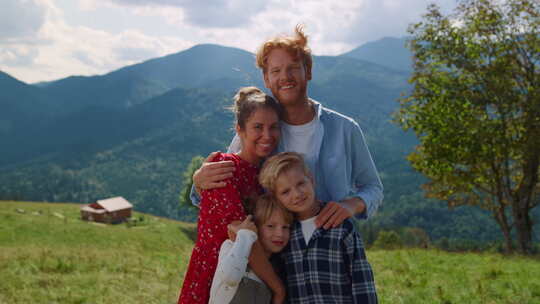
(260,264)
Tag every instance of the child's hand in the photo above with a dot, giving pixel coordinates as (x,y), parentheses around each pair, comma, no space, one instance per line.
(234,227)
(248,224)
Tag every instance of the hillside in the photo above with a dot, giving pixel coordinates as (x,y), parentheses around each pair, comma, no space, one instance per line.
(132,132)
(48,255)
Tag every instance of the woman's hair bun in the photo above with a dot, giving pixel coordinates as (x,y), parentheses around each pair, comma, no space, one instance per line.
(245,92)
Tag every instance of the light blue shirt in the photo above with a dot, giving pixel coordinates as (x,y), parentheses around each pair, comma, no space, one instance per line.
(344,167)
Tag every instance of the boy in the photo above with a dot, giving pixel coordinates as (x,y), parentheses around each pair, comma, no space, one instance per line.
(320,266)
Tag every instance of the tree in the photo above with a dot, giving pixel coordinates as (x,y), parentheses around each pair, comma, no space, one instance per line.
(475,106)
(187,180)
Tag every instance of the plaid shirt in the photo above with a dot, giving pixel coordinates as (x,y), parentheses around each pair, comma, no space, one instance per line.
(332,268)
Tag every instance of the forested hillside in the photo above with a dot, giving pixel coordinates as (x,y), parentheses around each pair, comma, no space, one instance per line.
(132,132)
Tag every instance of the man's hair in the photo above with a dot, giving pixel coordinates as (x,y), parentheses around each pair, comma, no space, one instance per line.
(249,99)
(265,206)
(296,46)
(278,164)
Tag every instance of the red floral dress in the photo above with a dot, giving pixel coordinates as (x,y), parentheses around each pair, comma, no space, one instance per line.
(219,207)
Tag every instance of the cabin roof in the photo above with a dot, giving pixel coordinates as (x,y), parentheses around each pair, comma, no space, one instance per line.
(115,204)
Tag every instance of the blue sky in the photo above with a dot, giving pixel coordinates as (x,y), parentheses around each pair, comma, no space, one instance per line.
(43,40)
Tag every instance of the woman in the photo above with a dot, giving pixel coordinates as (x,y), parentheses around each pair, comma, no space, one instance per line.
(257,125)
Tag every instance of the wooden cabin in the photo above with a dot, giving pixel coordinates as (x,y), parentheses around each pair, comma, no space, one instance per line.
(112,210)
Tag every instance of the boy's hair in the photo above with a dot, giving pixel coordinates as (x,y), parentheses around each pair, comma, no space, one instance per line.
(249,99)
(295,45)
(274,166)
(266,205)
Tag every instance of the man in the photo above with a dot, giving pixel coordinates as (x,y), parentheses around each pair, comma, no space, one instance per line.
(333,144)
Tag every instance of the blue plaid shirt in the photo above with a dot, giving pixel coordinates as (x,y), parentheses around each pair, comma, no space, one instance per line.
(331,268)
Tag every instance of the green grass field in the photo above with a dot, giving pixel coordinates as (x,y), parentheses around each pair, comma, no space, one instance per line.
(48,255)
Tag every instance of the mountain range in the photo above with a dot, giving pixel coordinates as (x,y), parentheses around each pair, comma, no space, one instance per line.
(133,131)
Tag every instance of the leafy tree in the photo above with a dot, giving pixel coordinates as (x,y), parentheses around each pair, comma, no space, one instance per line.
(475,106)
(187,180)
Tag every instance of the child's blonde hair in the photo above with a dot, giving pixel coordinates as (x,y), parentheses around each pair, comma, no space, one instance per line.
(274,166)
(295,45)
(265,206)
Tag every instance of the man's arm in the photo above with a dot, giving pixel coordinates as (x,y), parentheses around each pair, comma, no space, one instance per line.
(367,183)
(211,175)
(367,194)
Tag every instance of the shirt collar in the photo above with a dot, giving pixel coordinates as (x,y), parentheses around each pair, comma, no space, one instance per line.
(318,108)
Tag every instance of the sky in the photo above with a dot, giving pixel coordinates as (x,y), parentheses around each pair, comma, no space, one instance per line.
(44,40)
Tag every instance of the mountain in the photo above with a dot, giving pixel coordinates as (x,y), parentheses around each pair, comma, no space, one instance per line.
(36,116)
(93,105)
(389,52)
(23,110)
(200,66)
(138,153)
(21,103)
(132,132)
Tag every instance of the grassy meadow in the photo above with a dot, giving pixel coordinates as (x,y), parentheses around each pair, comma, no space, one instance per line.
(48,255)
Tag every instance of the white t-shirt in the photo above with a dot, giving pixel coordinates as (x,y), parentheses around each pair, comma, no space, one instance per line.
(308,227)
(301,139)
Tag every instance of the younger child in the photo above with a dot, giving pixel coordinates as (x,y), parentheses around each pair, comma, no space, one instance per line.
(321,266)
(233,282)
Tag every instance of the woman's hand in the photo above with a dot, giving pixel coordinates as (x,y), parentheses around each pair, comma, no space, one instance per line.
(278,297)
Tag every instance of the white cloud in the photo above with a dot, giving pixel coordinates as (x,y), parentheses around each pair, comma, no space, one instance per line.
(59,38)
(18,56)
(204,14)
(76,50)
(326,22)
(382,18)
(20,19)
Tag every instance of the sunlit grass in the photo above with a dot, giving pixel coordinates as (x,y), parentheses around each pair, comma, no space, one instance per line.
(432,276)
(48,255)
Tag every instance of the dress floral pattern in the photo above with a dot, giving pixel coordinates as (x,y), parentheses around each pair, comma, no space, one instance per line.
(219,207)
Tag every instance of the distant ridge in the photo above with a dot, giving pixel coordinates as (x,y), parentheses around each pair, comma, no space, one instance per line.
(205,65)
(389,52)
(6,79)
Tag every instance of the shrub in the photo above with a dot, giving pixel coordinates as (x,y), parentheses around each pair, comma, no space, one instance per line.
(415,237)
(388,240)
